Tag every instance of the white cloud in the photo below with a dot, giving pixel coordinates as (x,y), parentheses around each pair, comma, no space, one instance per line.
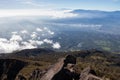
(34,35)
(15,32)
(36,42)
(33,3)
(37,12)
(56,45)
(22,40)
(3,40)
(24,31)
(8,46)
(45,28)
(16,38)
(48,31)
(39,42)
(39,29)
(27,45)
(48,41)
(51,32)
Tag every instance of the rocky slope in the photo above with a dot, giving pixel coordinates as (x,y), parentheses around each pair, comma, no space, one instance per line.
(42,64)
(9,68)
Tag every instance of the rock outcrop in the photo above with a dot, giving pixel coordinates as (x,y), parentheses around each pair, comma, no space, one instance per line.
(37,74)
(53,70)
(9,68)
(88,74)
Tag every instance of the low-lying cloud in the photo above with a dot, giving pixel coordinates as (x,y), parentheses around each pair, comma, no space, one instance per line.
(37,12)
(56,45)
(27,40)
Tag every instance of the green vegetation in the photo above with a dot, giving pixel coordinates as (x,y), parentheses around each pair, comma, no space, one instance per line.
(83,40)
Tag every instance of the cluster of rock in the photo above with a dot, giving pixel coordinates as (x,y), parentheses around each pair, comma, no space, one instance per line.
(36,74)
(10,69)
(86,74)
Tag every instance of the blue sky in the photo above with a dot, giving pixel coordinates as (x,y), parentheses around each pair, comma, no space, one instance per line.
(61,4)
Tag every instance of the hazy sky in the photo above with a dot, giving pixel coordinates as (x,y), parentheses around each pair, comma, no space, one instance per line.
(53,8)
(61,4)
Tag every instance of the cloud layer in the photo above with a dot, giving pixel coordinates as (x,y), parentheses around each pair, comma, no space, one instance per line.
(26,40)
(37,12)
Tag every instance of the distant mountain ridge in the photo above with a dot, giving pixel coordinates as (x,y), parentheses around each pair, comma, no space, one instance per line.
(27,52)
(110,13)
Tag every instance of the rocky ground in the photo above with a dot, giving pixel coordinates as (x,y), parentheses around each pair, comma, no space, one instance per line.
(43,65)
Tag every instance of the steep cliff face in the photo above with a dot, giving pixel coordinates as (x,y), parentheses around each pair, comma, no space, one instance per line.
(9,68)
